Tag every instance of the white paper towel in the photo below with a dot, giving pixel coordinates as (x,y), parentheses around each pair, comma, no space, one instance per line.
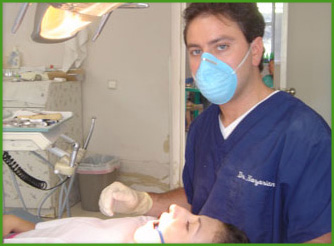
(75,50)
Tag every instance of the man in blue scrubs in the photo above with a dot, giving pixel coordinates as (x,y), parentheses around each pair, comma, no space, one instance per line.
(256,158)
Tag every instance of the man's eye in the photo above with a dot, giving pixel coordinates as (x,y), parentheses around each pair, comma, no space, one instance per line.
(222,47)
(187,225)
(195,52)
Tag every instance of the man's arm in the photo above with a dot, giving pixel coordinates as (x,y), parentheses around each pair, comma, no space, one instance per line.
(326,238)
(162,201)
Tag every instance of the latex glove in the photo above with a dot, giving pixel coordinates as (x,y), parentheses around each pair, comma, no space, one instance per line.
(119,198)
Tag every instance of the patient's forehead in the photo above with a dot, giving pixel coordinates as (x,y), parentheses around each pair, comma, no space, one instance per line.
(209,219)
(209,228)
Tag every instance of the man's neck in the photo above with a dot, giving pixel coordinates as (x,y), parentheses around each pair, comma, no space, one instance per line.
(241,103)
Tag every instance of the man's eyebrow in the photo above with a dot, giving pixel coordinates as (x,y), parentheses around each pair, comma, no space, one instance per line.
(192,46)
(222,38)
(212,42)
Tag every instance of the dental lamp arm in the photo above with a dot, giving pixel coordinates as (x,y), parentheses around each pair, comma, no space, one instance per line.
(103,22)
(20,16)
(105,17)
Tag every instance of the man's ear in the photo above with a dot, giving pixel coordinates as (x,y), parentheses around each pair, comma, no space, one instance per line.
(257,51)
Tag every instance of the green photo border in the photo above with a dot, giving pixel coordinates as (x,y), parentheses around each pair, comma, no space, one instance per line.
(10,1)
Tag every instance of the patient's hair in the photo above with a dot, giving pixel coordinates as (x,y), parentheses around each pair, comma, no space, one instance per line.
(228,233)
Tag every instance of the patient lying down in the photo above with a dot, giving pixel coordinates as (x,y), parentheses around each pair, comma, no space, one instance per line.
(176,226)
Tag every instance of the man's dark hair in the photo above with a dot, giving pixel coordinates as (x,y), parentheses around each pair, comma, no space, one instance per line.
(230,234)
(247,15)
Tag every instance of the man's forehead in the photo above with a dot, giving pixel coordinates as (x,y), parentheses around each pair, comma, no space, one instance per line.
(211,22)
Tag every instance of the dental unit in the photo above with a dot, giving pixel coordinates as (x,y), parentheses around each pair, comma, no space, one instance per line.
(32,137)
(54,23)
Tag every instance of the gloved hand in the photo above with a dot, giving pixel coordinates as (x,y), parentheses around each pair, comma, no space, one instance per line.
(118,198)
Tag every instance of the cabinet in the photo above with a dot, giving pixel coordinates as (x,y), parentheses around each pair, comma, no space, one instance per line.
(48,96)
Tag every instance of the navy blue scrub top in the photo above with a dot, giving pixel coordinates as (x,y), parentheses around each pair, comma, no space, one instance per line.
(271,177)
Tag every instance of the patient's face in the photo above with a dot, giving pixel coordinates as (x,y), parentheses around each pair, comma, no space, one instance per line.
(179,226)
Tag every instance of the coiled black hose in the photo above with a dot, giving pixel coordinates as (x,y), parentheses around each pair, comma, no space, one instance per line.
(15,167)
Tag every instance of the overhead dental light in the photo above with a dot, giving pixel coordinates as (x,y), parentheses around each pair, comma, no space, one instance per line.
(58,22)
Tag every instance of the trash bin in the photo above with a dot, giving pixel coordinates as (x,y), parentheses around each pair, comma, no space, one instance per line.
(95,172)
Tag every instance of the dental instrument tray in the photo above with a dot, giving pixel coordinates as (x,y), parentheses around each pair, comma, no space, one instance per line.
(34,121)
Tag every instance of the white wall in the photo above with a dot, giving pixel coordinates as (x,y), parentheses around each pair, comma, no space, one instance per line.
(132,120)
(309,55)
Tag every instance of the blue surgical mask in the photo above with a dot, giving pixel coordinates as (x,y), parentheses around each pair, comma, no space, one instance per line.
(216,80)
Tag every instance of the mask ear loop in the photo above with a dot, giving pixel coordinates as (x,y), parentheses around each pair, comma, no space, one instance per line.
(243,60)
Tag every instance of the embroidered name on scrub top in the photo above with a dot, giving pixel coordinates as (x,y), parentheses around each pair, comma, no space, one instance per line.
(256,182)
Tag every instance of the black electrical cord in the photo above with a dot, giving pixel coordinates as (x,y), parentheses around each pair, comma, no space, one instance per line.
(36,183)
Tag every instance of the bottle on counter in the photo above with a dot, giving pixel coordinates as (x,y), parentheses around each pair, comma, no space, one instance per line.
(14,58)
